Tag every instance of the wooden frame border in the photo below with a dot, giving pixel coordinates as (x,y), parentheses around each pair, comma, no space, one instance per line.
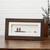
(24,38)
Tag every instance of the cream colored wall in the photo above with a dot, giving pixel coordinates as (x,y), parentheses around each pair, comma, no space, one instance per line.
(20,9)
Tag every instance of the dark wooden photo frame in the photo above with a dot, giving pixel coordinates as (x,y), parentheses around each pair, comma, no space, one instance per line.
(7,37)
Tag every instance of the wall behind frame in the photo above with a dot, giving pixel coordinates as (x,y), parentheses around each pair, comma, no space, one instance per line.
(20,9)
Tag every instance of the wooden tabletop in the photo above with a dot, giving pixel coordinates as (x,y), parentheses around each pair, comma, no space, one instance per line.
(17,44)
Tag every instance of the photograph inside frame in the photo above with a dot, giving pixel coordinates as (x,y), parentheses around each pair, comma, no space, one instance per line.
(24,29)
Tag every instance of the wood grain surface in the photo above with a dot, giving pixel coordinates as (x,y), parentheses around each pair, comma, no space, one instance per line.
(28,45)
